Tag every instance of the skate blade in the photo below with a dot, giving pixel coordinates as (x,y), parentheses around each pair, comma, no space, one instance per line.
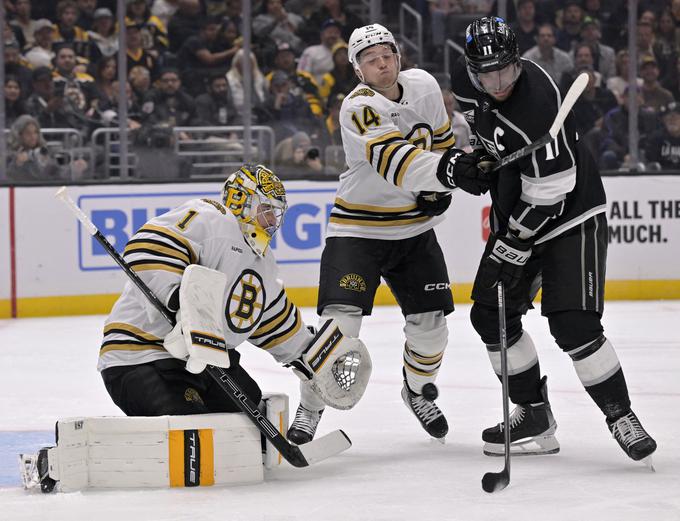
(535,446)
(441,440)
(649,463)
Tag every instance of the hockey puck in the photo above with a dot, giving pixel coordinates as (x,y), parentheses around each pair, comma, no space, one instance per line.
(430,392)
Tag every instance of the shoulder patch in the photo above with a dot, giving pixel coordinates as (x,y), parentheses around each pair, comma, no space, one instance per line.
(362,92)
(217,205)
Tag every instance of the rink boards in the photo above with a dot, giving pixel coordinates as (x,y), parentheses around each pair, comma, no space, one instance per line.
(49,266)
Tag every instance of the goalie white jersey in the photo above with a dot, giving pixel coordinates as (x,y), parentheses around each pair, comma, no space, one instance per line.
(387,144)
(203,232)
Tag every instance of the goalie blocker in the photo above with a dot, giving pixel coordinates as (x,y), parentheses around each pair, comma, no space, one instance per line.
(155,452)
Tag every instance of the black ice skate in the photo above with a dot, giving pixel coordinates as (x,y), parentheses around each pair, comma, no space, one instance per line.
(532,430)
(427,412)
(304,425)
(632,438)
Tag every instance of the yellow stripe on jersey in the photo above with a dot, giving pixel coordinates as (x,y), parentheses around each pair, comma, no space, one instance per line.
(129,328)
(443,129)
(157,266)
(404,164)
(273,323)
(362,222)
(445,144)
(163,230)
(276,340)
(378,140)
(386,155)
(168,250)
(372,208)
(107,346)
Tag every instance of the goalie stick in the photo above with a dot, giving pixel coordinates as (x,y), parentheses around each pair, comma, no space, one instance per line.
(568,102)
(298,456)
(495,481)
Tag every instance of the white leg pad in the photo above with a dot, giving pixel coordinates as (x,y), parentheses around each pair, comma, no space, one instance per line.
(164,451)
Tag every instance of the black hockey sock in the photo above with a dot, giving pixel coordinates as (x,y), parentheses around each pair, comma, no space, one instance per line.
(525,387)
(611,396)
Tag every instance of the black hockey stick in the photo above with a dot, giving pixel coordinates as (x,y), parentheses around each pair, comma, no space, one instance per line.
(298,456)
(495,481)
(568,102)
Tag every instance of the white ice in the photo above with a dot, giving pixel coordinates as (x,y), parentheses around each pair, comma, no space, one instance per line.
(393,471)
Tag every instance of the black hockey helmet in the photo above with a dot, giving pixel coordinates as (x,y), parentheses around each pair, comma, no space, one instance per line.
(490,45)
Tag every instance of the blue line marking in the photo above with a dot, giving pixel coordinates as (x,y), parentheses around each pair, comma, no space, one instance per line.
(13,443)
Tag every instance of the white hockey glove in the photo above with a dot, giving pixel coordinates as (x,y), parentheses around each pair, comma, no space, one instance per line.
(198,336)
(338,367)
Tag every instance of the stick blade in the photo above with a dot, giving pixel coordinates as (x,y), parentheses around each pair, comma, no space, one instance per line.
(495,481)
(322,448)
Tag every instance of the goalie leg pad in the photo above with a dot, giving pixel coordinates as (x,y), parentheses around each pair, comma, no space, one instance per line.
(341,366)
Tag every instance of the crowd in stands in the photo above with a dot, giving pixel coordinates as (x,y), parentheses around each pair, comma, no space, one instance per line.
(185,66)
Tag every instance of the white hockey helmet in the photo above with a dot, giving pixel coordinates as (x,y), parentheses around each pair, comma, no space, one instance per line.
(366,36)
(256,196)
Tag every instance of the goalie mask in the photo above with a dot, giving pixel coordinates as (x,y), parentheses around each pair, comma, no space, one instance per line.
(256,196)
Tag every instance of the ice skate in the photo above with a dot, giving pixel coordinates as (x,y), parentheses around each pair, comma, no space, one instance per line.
(35,471)
(424,408)
(304,425)
(532,430)
(633,438)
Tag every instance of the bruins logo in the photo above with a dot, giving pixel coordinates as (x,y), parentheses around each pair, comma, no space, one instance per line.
(191,395)
(271,185)
(245,303)
(362,92)
(353,282)
(217,205)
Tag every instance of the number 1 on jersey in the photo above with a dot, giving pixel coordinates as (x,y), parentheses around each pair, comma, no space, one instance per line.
(369,117)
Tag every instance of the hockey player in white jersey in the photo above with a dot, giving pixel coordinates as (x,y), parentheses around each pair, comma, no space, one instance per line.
(393,122)
(150,370)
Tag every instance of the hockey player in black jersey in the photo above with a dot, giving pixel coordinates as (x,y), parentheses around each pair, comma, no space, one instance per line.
(549,230)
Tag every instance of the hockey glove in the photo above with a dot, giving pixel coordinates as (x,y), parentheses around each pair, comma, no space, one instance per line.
(433,203)
(460,170)
(505,263)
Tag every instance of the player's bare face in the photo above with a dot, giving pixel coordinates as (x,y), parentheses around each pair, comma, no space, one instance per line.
(499,84)
(378,64)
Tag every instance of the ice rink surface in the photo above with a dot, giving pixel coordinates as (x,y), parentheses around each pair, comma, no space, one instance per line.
(393,471)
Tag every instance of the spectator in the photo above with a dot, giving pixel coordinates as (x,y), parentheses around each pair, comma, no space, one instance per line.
(290,112)
(140,83)
(258,87)
(671,80)
(154,34)
(77,88)
(583,57)
(318,59)
(604,57)
(16,66)
(229,38)
(525,27)
(276,23)
(654,96)
(14,103)
(66,31)
(667,38)
(459,126)
(86,9)
(664,144)
(105,74)
(200,58)
(44,104)
(341,80)
(572,19)
(109,108)
(216,107)
(336,10)
(302,83)
(13,35)
(296,155)
(24,22)
(333,128)
(29,159)
(136,54)
(553,60)
(42,53)
(164,9)
(103,33)
(234,8)
(184,23)
(645,40)
(592,105)
(442,13)
(618,84)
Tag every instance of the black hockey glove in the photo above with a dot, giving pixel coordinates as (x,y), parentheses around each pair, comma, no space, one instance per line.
(457,169)
(433,203)
(505,263)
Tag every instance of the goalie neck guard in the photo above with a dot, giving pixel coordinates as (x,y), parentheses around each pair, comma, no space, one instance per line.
(256,196)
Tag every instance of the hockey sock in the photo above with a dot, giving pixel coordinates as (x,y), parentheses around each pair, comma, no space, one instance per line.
(524,372)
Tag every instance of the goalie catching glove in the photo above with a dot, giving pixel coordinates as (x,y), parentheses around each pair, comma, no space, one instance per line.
(338,367)
(198,337)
